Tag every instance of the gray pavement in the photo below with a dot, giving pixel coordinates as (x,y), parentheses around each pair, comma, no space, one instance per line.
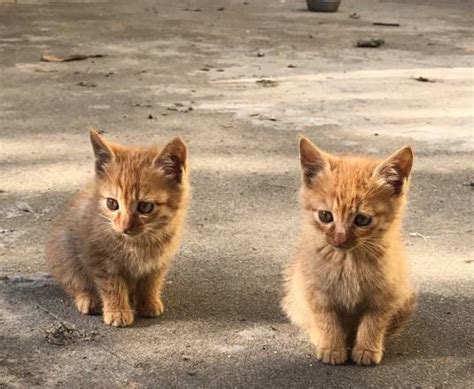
(223,326)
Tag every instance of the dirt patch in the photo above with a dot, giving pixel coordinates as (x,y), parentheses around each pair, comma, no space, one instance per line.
(370,43)
(62,334)
(267,83)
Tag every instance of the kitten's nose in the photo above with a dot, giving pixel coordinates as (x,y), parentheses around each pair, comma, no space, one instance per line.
(126,230)
(340,238)
(127,227)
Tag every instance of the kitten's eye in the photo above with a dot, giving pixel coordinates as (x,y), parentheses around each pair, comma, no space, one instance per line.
(145,207)
(112,204)
(362,220)
(325,216)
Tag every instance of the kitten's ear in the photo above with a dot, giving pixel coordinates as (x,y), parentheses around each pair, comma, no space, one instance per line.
(312,160)
(172,159)
(102,151)
(395,170)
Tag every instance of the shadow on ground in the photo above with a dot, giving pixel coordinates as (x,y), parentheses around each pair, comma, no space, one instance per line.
(252,340)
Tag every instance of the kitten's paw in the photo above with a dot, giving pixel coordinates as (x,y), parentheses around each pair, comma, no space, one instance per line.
(363,356)
(152,308)
(121,318)
(331,356)
(87,305)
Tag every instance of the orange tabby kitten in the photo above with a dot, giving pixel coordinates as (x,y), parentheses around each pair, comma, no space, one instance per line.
(112,247)
(347,286)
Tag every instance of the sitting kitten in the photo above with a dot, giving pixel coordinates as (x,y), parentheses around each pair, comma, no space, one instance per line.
(347,286)
(112,247)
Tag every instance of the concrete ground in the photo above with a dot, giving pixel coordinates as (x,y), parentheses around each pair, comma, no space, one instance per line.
(223,326)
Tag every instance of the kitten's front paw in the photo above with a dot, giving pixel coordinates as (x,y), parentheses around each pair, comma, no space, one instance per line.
(121,318)
(331,356)
(87,305)
(363,356)
(152,308)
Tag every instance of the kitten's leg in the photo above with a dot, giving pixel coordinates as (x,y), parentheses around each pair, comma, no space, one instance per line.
(115,300)
(329,338)
(87,303)
(368,348)
(401,315)
(148,295)
(66,267)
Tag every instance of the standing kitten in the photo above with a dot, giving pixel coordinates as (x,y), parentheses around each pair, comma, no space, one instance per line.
(113,245)
(347,285)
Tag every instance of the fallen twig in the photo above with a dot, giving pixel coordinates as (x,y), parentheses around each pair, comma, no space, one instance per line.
(423,79)
(417,235)
(386,24)
(74,57)
(45,71)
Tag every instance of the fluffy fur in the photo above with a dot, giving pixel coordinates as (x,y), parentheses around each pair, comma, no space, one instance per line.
(115,260)
(347,285)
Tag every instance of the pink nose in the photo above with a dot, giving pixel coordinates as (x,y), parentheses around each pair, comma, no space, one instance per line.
(126,226)
(340,238)
(126,229)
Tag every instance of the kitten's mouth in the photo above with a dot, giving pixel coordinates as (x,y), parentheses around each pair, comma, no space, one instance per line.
(344,246)
(130,234)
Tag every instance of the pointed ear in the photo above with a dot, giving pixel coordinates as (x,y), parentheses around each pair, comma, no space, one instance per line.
(172,160)
(102,151)
(394,172)
(312,159)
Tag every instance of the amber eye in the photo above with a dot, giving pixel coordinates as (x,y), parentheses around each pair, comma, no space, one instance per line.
(112,204)
(145,207)
(362,220)
(325,216)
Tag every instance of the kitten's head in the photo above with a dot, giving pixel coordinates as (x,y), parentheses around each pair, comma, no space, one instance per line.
(140,189)
(353,201)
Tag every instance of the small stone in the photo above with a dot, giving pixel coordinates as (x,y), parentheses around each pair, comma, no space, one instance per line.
(24,207)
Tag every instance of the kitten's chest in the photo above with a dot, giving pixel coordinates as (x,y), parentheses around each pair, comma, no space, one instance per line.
(348,282)
(141,261)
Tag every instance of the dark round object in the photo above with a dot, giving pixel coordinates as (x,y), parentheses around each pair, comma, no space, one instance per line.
(112,204)
(145,207)
(362,220)
(323,5)
(325,216)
